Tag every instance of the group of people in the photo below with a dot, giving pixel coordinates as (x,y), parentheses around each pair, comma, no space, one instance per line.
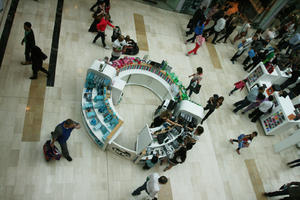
(33,54)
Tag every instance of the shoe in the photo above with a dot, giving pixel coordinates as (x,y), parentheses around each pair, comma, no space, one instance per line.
(238,151)
(229,94)
(135,194)
(26,63)
(33,77)
(232,61)
(69,158)
(231,141)
(94,41)
(250,116)
(234,111)
(242,112)
(214,43)
(106,47)
(187,54)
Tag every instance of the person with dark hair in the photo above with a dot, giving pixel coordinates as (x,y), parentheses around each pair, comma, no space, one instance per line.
(150,163)
(216,29)
(119,46)
(198,31)
(37,57)
(263,108)
(151,186)
(291,189)
(213,103)
(243,140)
(29,42)
(198,18)
(178,158)
(294,163)
(239,85)
(97,15)
(260,98)
(229,28)
(197,77)
(62,133)
(243,47)
(191,140)
(200,39)
(251,97)
(101,26)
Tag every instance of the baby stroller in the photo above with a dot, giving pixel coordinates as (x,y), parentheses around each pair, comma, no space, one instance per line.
(116,33)
(51,153)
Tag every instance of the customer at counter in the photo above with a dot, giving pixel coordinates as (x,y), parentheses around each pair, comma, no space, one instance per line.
(191,140)
(178,158)
(150,163)
(263,108)
(295,75)
(162,118)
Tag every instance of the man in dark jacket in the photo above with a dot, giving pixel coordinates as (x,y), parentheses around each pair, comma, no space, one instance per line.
(292,189)
(198,17)
(37,57)
(29,42)
(62,133)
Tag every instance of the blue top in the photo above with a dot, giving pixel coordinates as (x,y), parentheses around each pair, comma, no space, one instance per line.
(252,94)
(149,163)
(199,29)
(66,132)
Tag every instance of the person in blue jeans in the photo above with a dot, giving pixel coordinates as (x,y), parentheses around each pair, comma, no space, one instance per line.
(62,133)
(250,98)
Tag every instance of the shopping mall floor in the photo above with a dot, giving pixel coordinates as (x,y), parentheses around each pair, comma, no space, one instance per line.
(212,171)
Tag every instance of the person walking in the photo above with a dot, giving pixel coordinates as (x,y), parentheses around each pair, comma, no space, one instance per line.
(151,185)
(101,30)
(213,103)
(243,141)
(195,81)
(37,57)
(239,85)
(119,46)
(229,28)
(294,163)
(295,75)
(251,97)
(263,108)
(243,47)
(62,133)
(220,25)
(198,17)
(291,189)
(29,42)
(198,31)
(199,42)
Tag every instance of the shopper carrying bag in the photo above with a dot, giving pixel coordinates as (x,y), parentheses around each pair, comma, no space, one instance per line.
(194,85)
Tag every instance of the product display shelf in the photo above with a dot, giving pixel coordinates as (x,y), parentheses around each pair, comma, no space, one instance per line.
(278,121)
(260,73)
(97,136)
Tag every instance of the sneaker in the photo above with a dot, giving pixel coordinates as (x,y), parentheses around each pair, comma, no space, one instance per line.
(106,47)
(69,158)
(231,141)
(187,54)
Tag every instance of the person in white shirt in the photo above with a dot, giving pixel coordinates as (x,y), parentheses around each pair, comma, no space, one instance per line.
(119,46)
(151,186)
(263,108)
(220,25)
(245,45)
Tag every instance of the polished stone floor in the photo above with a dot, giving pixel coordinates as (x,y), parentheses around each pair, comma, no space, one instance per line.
(213,170)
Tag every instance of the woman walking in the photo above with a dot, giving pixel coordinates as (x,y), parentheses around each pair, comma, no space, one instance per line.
(213,103)
(194,83)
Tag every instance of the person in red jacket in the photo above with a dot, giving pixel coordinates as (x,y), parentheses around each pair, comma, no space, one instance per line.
(238,85)
(101,29)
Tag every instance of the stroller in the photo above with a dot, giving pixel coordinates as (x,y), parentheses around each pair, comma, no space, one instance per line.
(51,153)
(116,33)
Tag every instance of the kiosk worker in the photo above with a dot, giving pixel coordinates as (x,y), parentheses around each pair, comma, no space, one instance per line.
(62,133)
(162,118)
(151,186)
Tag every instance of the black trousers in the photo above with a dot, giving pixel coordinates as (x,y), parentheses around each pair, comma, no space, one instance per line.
(102,35)
(255,115)
(246,61)
(296,163)
(225,36)
(210,109)
(64,149)
(211,32)
(192,38)
(236,55)
(241,104)
(278,193)
(287,83)
(190,88)
(234,89)
(95,5)
(27,53)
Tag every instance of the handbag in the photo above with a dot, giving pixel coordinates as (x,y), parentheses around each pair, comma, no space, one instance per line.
(197,89)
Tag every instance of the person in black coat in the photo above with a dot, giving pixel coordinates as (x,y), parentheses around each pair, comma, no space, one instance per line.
(37,62)
(197,17)
(295,75)
(29,42)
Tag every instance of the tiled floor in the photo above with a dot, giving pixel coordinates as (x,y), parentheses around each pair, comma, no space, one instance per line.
(212,170)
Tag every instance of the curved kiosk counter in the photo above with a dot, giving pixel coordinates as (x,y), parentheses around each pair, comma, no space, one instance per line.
(104,88)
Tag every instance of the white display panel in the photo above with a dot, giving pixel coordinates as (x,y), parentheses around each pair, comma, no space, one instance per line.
(144,139)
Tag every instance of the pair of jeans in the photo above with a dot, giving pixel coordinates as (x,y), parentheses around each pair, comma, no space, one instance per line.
(102,35)
(241,104)
(140,189)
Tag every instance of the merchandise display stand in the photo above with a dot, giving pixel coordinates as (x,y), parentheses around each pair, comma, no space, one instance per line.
(260,73)
(104,88)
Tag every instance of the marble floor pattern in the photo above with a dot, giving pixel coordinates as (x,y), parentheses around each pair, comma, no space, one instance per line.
(212,171)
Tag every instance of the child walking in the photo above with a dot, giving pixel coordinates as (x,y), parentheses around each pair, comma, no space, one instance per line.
(199,41)
(243,140)
(238,85)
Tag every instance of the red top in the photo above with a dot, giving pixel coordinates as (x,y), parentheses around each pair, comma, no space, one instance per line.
(103,23)
(240,85)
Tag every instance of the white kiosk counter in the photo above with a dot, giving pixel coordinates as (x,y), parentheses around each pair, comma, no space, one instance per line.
(104,88)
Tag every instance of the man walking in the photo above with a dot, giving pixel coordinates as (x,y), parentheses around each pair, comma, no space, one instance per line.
(37,57)
(220,25)
(29,42)
(62,133)
(250,98)
(291,189)
(151,186)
